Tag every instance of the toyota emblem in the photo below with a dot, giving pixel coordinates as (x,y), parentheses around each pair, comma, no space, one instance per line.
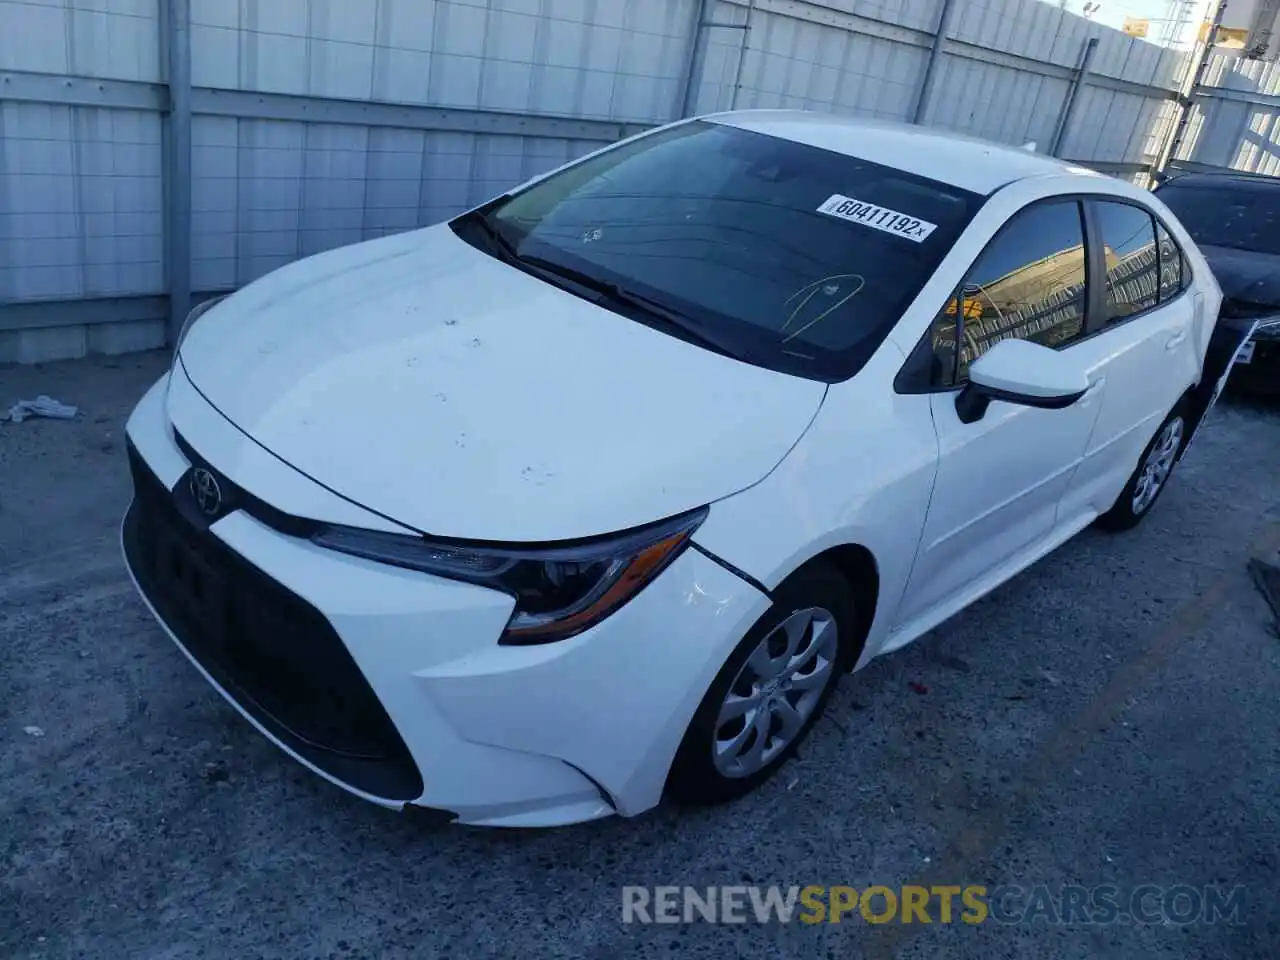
(205,491)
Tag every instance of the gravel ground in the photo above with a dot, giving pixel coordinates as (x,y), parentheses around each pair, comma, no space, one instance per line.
(1108,717)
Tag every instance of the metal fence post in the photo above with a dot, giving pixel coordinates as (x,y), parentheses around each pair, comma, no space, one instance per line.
(1189,91)
(1073,95)
(177,170)
(691,72)
(931,65)
(742,56)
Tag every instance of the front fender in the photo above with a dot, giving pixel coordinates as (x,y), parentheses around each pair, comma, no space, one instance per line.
(862,474)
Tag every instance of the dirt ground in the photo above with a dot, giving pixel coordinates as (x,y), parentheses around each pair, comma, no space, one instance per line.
(1108,717)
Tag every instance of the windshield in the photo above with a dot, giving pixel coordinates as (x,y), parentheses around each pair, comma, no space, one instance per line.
(779,254)
(1243,217)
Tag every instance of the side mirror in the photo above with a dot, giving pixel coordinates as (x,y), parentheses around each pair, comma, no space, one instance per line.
(1021,372)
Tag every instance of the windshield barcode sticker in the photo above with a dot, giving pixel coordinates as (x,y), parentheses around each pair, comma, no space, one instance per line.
(881,218)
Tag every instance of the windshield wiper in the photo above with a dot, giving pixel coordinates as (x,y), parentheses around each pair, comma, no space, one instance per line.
(685,327)
(498,240)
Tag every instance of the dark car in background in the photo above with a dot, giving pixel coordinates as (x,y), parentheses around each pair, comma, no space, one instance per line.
(1235,221)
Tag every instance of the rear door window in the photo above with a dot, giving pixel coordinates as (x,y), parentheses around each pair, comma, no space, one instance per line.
(1129,250)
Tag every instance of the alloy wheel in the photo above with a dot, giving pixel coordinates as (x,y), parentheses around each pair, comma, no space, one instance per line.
(1158,465)
(775,693)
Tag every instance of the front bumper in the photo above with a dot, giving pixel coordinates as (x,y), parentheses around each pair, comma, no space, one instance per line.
(391,683)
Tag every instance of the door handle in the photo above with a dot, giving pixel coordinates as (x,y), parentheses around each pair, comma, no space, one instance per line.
(1175,341)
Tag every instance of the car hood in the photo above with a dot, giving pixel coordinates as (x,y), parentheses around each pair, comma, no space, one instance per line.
(1245,276)
(424,379)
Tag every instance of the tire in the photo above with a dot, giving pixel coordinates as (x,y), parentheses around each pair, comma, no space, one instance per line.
(819,600)
(1156,464)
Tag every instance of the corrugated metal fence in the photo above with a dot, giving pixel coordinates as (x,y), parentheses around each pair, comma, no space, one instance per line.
(1233,121)
(292,126)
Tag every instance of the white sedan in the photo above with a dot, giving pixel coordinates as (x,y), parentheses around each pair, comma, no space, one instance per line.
(592,494)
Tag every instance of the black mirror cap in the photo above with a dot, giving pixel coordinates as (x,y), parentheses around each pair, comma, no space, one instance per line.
(972,402)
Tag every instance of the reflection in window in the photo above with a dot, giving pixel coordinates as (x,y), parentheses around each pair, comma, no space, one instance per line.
(1129,245)
(725,227)
(1170,264)
(1029,283)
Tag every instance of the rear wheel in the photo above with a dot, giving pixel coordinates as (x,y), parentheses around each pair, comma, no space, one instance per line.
(771,690)
(1151,475)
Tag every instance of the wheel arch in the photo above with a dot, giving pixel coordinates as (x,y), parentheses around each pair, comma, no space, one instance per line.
(859,568)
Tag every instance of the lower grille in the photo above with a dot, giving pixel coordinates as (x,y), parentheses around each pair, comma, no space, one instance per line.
(273,652)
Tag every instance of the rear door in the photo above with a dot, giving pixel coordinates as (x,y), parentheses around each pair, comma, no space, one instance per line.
(1145,346)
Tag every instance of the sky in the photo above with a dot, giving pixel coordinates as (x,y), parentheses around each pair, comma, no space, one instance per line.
(1112,13)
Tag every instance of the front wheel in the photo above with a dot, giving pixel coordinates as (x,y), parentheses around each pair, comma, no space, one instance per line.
(770,692)
(1149,479)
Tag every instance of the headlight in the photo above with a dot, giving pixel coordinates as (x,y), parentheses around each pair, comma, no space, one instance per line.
(560,590)
(196,313)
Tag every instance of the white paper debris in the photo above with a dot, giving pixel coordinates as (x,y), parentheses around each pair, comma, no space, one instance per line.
(41,406)
(33,731)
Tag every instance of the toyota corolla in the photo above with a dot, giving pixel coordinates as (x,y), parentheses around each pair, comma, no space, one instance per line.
(591,495)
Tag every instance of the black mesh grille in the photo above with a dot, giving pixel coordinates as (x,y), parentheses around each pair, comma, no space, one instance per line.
(271,650)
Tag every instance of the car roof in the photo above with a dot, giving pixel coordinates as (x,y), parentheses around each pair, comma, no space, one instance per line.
(972,164)
(1235,181)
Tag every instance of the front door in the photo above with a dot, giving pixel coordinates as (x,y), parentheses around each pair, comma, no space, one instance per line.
(1000,479)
